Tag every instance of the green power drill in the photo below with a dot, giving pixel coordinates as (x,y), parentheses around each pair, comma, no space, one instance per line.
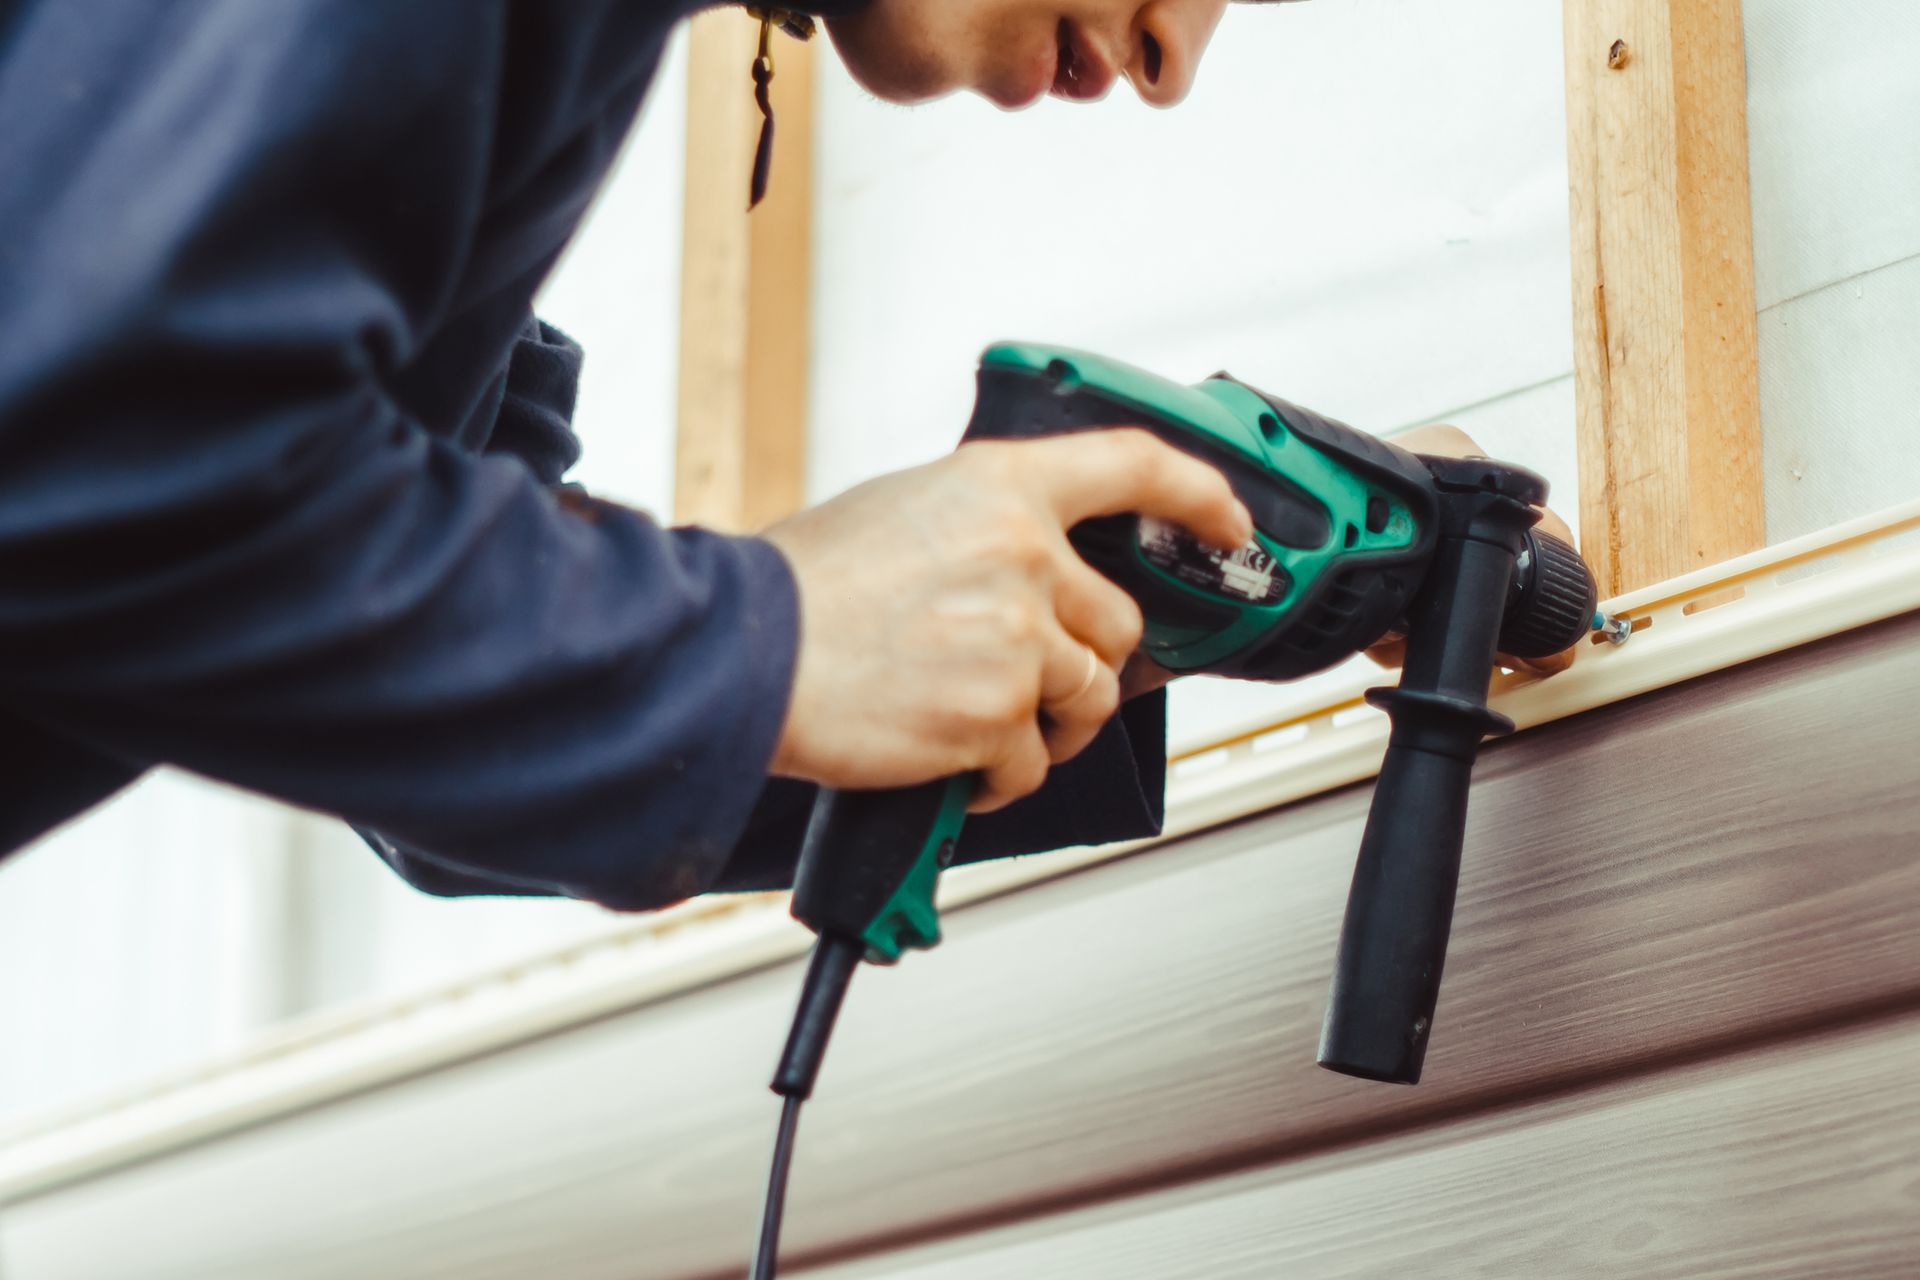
(1354,538)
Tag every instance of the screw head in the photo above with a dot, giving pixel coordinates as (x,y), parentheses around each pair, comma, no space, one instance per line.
(1614,630)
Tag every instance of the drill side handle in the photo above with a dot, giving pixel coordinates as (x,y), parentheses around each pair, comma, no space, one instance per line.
(1393,942)
(870,861)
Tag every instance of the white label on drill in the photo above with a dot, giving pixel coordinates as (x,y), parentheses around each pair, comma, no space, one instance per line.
(1249,573)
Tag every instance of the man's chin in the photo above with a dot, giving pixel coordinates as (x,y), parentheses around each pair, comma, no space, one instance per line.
(883,71)
(1009,99)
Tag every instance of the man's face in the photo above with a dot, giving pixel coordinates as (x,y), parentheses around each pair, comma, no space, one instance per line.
(1015,51)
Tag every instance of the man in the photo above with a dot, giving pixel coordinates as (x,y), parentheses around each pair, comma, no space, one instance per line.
(281,450)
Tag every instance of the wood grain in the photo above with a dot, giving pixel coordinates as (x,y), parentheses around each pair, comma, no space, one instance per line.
(740,447)
(1793,1161)
(1720,863)
(1664,340)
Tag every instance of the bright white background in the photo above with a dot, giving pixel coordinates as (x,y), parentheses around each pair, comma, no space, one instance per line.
(1834,121)
(1362,208)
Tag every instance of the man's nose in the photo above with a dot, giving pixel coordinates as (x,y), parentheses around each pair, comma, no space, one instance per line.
(1169,38)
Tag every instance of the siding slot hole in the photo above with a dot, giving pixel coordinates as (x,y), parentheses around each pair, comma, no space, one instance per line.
(1714,601)
(1203,762)
(1281,738)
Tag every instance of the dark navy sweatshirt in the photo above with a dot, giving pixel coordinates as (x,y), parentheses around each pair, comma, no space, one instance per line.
(281,458)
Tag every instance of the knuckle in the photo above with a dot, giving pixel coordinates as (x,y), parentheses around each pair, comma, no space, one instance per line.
(992,467)
(1027,772)
(1018,622)
(1034,553)
(1105,700)
(988,796)
(1020,541)
(1087,710)
(982,455)
(979,717)
(1115,631)
(1005,708)
(1145,458)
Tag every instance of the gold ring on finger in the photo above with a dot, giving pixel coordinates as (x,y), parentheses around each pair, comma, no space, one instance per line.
(1093,670)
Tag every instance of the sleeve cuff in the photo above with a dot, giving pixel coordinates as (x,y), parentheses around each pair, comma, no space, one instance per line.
(731,766)
(1114,790)
(662,829)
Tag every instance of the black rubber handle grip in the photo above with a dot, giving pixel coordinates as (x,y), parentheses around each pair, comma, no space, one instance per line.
(871,860)
(1393,944)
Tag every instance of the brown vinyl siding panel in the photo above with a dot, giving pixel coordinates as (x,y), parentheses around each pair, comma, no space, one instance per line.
(1690,878)
(1794,1159)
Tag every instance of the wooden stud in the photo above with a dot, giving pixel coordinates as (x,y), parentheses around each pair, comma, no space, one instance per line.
(740,450)
(1665,364)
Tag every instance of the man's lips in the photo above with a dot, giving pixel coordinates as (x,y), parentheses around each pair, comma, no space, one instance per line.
(1080,73)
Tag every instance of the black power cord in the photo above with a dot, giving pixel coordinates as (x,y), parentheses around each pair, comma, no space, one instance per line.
(828,973)
(766,1256)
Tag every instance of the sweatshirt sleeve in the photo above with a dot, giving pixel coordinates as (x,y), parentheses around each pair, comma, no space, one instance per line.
(538,389)
(224,544)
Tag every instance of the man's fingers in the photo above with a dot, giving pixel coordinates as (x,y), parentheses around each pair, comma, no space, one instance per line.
(1454,442)
(1104,473)
(1552,664)
(1095,611)
(1069,726)
(1143,675)
(1079,693)
(1019,772)
(1552,524)
(1067,669)
(1390,651)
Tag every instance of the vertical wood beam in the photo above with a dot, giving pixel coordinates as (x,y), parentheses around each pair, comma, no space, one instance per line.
(1665,367)
(740,445)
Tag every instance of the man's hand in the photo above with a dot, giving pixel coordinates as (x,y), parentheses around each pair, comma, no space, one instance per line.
(1452,442)
(947,625)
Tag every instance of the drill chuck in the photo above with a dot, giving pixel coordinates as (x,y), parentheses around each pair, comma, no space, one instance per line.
(1550,605)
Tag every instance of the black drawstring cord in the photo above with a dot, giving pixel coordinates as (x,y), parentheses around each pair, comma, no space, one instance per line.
(799,26)
(763,153)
